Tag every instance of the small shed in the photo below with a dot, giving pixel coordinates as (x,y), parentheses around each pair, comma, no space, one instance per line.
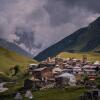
(43,73)
(56,70)
(97,63)
(77,69)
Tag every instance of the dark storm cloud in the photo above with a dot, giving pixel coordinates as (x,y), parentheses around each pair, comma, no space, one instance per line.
(92,5)
(58,12)
(62,11)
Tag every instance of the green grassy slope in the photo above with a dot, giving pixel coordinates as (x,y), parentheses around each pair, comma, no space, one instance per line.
(58,94)
(90,55)
(9,59)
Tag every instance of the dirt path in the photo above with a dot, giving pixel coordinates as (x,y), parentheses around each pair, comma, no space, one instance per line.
(2,88)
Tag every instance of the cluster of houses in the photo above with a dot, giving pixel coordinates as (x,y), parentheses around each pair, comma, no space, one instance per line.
(61,72)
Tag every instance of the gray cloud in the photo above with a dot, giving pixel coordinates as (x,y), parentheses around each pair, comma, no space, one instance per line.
(36,24)
(26,37)
(64,11)
(92,5)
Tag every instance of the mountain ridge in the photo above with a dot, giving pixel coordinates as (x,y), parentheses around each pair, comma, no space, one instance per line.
(83,40)
(13,47)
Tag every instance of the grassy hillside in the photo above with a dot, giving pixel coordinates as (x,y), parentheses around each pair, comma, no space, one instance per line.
(9,59)
(90,55)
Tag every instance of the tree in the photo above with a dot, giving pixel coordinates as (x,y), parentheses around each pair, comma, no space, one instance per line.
(16,70)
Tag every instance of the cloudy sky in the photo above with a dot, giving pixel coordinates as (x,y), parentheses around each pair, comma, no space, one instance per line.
(37,24)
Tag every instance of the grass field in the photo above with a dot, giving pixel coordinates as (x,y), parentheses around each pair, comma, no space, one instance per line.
(9,59)
(58,94)
(90,55)
(51,94)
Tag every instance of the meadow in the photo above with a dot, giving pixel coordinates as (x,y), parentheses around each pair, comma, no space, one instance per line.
(9,59)
(91,56)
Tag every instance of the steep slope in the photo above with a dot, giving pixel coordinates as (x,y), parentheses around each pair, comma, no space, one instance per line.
(83,40)
(9,59)
(13,47)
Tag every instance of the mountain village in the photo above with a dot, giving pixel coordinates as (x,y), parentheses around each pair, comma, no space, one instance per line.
(61,73)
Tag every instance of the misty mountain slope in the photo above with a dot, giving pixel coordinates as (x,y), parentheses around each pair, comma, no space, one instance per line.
(13,47)
(83,40)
